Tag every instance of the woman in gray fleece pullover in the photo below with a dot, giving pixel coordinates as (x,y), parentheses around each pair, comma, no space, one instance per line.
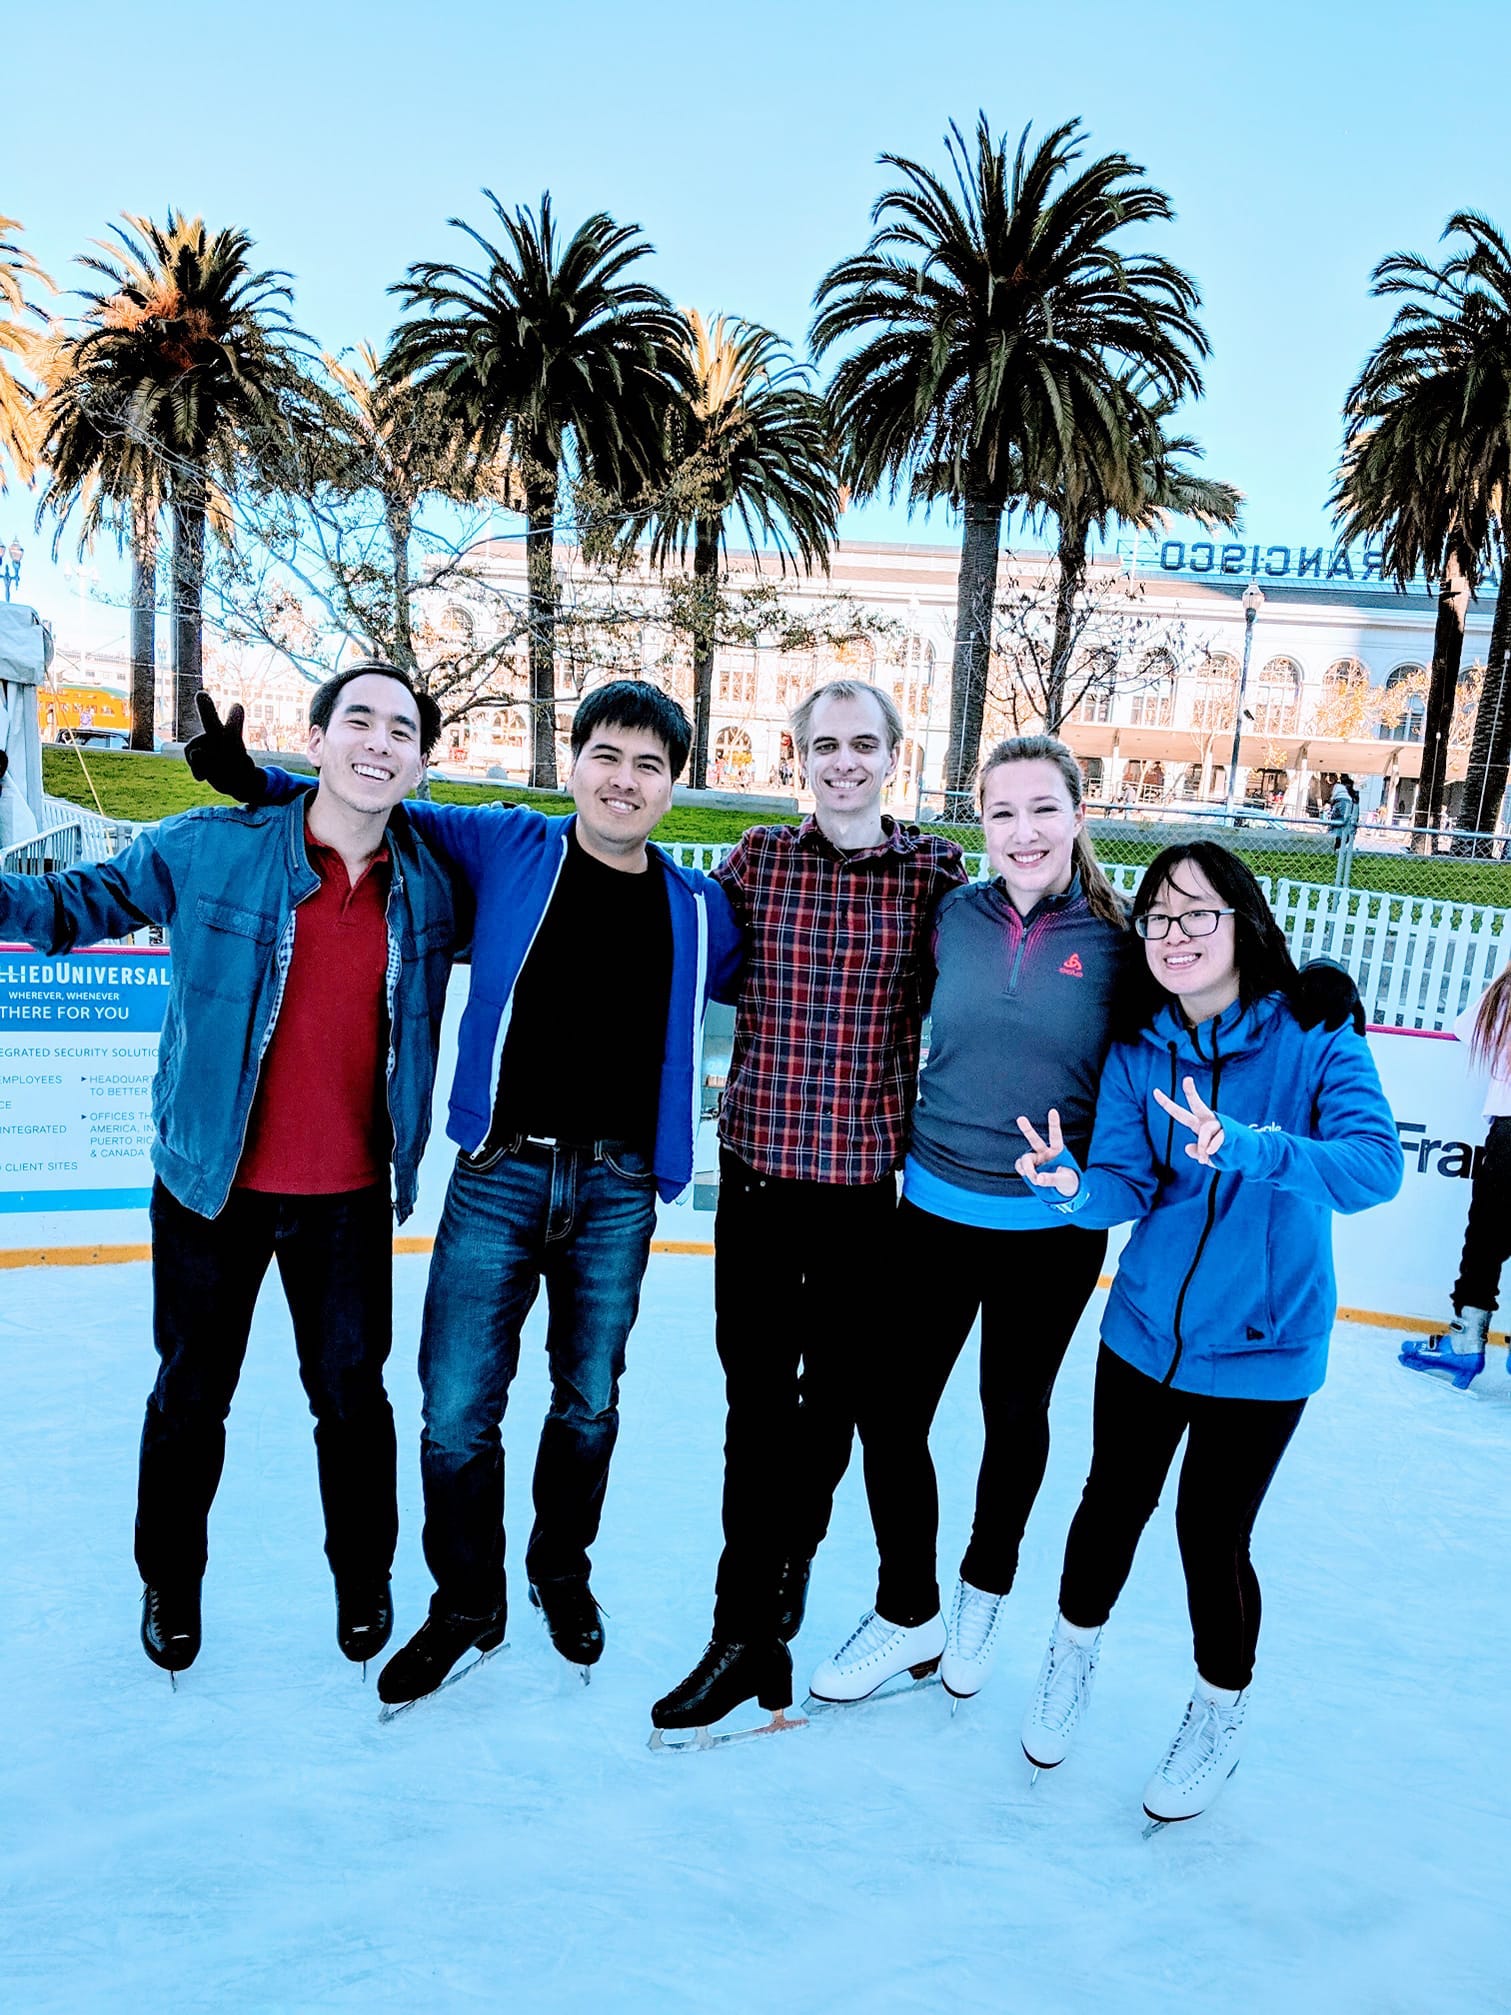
(1028,965)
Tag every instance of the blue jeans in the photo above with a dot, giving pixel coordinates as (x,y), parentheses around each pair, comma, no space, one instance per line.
(581,1220)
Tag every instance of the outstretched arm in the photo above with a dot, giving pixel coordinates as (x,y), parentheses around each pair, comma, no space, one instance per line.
(84,905)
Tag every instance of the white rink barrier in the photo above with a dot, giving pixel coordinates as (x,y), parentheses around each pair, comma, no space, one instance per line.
(75,1057)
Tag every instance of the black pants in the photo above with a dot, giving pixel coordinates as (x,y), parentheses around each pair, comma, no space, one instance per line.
(1234,1449)
(334,1256)
(1487,1235)
(796,1267)
(1030,1289)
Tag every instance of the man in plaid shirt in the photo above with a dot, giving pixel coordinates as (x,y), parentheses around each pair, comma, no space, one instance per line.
(813,1125)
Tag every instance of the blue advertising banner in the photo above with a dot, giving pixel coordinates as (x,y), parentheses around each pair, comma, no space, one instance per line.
(78,1048)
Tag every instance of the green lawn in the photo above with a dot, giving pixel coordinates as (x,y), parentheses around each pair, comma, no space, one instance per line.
(150,787)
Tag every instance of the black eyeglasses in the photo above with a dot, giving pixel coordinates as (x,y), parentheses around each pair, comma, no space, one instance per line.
(1193,923)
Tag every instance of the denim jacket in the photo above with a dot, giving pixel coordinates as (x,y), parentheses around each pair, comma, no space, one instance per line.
(227,883)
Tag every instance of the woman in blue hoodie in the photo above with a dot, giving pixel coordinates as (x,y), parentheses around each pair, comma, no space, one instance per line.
(1229,1134)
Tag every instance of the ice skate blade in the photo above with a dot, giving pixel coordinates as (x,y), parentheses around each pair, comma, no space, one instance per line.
(398,1707)
(1158,1826)
(172,1680)
(587,1674)
(898,1687)
(664,1742)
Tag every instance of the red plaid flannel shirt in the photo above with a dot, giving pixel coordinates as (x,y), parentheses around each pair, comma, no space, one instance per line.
(827,1026)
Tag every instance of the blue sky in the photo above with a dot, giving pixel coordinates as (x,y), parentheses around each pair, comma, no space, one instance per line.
(1299,143)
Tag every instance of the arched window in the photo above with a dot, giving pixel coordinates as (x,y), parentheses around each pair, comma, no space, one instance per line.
(1096,676)
(457,622)
(735,684)
(913,675)
(1154,700)
(1274,706)
(1403,712)
(1215,692)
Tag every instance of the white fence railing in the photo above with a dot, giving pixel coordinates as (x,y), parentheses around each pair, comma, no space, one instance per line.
(1418,961)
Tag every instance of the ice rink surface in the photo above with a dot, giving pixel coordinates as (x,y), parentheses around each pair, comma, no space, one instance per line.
(259,1841)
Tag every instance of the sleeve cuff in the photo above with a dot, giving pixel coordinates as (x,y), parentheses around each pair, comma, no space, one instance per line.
(1241,1152)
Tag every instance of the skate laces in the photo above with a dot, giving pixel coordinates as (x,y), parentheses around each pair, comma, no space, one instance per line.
(1198,1740)
(973,1619)
(867,1638)
(1068,1667)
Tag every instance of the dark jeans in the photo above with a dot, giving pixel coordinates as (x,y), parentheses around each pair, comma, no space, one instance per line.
(796,1273)
(1030,1289)
(335,1258)
(581,1221)
(1487,1235)
(1234,1449)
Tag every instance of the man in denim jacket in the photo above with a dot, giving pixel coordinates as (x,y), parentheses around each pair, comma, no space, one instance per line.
(312,943)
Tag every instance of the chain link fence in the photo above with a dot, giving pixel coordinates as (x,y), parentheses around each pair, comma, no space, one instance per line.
(1399,860)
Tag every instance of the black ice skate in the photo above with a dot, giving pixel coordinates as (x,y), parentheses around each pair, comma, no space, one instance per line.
(364,1620)
(724,1678)
(424,1664)
(171,1628)
(573,1618)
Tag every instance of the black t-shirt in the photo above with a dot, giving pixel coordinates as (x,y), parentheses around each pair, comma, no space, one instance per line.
(582,1059)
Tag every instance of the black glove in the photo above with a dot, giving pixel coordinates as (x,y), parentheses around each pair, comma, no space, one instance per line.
(218,756)
(1325,992)
(4,765)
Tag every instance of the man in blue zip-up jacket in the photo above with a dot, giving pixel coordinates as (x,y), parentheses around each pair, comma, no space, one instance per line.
(574,1104)
(289,926)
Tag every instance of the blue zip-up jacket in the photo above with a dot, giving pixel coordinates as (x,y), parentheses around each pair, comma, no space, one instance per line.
(1226,1285)
(511,858)
(227,883)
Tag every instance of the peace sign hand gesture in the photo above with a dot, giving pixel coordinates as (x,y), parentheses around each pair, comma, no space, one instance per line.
(1031,1166)
(1200,1118)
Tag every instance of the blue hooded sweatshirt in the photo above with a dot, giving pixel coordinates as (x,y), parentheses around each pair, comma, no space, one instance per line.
(511,858)
(1226,1285)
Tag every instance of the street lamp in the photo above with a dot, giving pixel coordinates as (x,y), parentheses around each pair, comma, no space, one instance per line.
(1253,602)
(10,565)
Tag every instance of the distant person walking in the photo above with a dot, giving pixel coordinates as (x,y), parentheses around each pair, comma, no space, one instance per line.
(1343,810)
(1458,1352)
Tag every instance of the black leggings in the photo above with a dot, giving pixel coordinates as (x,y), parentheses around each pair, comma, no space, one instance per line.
(1030,1288)
(1234,1449)
(1487,1236)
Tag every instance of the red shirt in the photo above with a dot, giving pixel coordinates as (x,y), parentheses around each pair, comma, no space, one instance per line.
(831,1007)
(319,1124)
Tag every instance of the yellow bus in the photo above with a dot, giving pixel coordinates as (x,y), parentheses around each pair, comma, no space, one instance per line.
(92,713)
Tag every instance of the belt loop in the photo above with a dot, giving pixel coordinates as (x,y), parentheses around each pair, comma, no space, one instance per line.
(597,1151)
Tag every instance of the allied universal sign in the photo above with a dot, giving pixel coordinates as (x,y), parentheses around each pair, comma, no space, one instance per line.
(78,1048)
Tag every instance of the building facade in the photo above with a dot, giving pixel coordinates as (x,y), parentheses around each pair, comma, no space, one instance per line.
(1337,676)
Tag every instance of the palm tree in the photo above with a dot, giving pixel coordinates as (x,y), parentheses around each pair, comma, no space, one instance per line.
(1453,331)
(550,355)
(1397,483)
(749,442)
(120,483)
(21,342)
(1144,481)
(186,357)
(996,317)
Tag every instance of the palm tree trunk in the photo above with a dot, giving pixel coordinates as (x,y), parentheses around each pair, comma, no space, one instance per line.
(1447,656)
(540,553)
(1075,536)
(188,606)
(400,522)
(975,606)
(705,637)
(1490,751)
(144,631)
